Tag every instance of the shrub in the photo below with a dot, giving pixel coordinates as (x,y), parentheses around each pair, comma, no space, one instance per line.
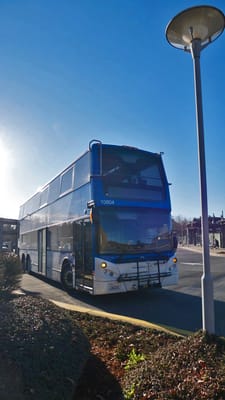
(10,271)
(134,359)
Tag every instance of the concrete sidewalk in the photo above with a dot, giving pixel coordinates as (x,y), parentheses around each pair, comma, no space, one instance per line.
(220,252)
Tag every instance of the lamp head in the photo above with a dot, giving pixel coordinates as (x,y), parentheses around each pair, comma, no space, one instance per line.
(204,23)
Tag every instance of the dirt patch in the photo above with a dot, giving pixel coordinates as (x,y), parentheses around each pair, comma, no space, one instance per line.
(11,386)
(43,347)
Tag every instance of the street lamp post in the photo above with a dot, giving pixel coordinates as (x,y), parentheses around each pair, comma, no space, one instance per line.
(192,30)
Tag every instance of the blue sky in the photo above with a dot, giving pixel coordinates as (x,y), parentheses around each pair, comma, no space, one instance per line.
(76,70)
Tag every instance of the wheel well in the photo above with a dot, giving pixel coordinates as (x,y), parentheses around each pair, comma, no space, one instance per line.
(23,261)
(66,263)
(66,274)
(28,263)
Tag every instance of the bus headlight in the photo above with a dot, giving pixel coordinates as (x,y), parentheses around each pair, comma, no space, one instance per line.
(174,260)
(103,265)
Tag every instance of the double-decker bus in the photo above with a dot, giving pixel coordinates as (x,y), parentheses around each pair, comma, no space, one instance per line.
(103,225)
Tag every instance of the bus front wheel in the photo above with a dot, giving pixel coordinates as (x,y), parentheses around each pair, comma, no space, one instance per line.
(67,277)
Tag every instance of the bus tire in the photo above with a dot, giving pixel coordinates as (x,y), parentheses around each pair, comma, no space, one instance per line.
(23,263)
(67,276)
(28,264)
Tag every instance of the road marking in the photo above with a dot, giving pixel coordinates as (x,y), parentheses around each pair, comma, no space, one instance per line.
(190,263)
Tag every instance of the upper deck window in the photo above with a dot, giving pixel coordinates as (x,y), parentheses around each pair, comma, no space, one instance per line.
(66,181)
(44,197)
(54,188)
(30,206)
(134,174)
(82,170)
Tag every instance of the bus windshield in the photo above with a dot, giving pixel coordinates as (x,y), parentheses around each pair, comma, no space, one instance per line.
(131,173)
(134,231)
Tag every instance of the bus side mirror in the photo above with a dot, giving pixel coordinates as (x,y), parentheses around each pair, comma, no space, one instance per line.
(94,218)
(91,204)
(93,213)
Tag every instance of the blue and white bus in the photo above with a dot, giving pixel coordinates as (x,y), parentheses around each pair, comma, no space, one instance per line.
(103,225)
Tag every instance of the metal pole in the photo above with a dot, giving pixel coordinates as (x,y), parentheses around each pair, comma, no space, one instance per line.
(208,318)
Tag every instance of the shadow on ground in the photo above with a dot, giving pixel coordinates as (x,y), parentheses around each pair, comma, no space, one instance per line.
(159,306)
(101,383)
(166,307)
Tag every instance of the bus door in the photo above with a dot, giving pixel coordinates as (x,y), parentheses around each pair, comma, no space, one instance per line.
(83,254)
(42,251)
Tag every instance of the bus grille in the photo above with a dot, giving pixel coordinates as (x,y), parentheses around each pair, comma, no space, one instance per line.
(143,277)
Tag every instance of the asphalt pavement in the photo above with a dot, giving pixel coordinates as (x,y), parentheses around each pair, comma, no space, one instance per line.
(53,292)
(177,307)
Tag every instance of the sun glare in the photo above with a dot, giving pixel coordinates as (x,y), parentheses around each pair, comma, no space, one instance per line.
(4,161)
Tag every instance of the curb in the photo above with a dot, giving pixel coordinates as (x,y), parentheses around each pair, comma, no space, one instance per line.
(122,318)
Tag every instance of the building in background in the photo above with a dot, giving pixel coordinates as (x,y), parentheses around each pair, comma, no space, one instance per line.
(9,233)
(192,233)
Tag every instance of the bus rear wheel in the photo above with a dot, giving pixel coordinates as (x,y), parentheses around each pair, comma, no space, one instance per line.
(23,263)
(67,277)
(28,264)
